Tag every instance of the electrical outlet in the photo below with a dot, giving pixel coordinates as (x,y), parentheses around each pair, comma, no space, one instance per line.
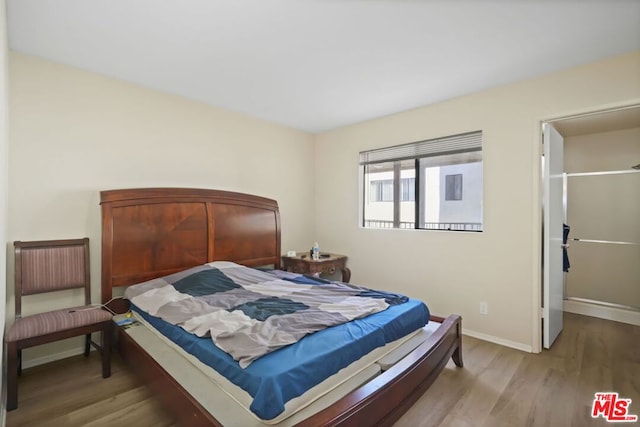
(484,308)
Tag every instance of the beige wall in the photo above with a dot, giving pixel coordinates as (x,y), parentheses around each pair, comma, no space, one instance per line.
(3,180)
(74,133)
(604,208)
(453,272)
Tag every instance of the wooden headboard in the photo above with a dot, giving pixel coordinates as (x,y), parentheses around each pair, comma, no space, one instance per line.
(152,232)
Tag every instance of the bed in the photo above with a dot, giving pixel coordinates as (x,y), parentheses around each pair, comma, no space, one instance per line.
(149,233)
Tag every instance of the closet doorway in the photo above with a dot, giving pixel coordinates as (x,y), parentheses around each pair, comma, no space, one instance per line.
(601,206)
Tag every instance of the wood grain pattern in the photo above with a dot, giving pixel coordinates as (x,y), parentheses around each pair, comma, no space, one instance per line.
(176,233)
(244,234)
(152,232)
(482,394)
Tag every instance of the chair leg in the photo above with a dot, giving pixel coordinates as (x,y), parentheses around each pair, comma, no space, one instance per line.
(87,345)
(19,362)
(106,350)
(12,375)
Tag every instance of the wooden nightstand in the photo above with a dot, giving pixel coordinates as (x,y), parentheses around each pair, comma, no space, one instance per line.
(302,263)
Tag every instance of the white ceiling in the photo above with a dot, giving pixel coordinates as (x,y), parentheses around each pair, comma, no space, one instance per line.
(316,65)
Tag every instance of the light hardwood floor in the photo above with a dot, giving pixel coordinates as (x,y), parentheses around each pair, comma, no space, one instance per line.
(72,392)
(497,387)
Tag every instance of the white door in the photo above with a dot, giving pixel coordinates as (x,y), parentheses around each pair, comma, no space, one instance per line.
(552,274)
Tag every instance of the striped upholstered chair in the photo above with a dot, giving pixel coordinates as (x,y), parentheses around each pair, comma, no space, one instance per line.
(48,266)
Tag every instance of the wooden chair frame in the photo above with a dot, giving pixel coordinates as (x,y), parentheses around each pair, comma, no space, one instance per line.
(14,348)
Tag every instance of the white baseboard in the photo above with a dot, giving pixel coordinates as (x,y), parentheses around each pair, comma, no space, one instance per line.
(52,357)
(496,340)
(631,317)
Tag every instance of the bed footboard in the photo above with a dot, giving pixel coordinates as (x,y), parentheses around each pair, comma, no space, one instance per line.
(380,402)
(384,399)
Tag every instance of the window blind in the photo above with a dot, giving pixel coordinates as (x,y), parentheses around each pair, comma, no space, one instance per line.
(462,143)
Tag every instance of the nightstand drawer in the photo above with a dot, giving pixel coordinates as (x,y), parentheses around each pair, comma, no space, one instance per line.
(327,264)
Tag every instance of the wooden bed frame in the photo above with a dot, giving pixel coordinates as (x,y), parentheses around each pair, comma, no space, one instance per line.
(152,232)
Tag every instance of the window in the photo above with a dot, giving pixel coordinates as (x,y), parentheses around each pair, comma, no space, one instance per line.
(453,189)
(434,184)
(382,190)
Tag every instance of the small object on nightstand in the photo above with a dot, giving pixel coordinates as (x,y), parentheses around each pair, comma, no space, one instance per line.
(327,263)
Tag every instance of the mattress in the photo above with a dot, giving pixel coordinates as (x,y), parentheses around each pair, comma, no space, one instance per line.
(274,380)
(230,404)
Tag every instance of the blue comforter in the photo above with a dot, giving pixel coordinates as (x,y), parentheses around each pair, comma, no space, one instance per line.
(281,375)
